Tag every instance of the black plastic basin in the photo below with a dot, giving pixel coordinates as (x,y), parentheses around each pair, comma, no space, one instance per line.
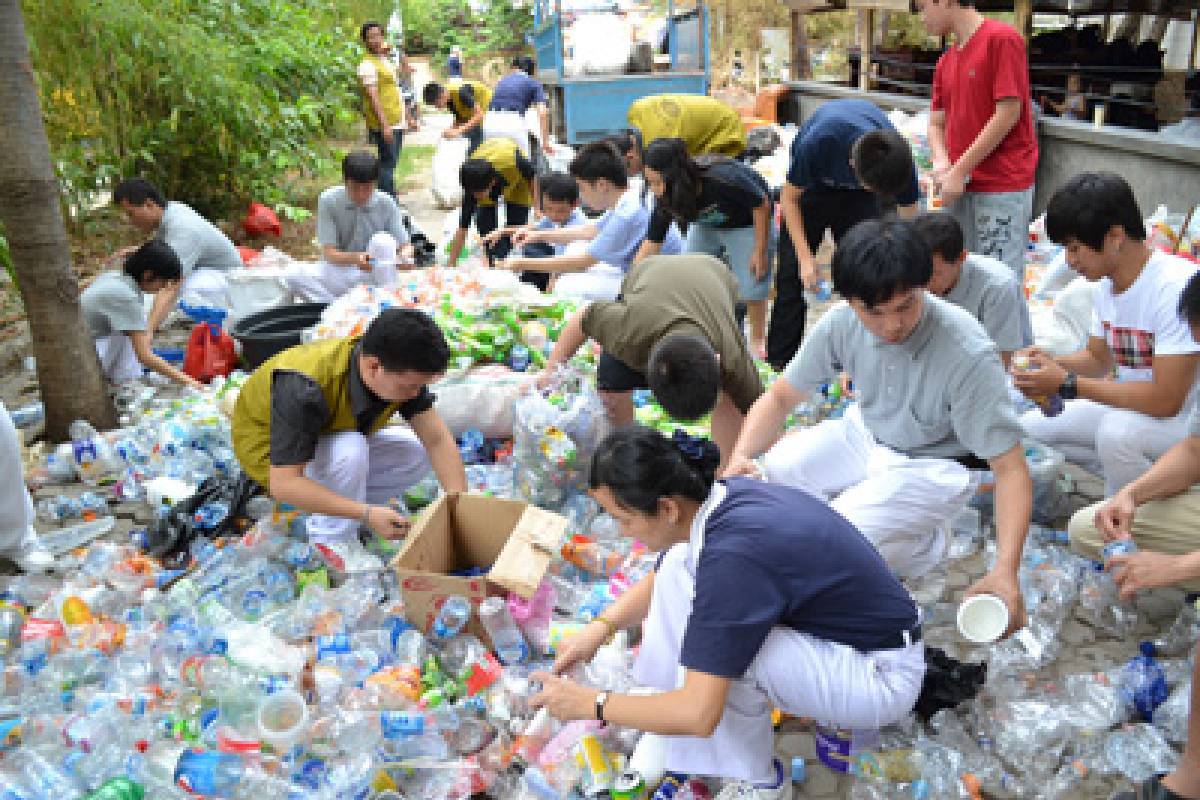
(266,333)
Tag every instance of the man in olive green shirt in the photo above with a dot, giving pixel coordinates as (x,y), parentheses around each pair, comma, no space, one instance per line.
(672,329)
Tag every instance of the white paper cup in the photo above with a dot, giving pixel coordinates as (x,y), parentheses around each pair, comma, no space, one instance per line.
(282,719)
(982,619)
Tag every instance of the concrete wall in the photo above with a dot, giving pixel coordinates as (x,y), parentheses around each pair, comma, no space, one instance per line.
(1159,170)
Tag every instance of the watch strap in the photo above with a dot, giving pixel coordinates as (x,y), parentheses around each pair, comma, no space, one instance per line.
(601,700)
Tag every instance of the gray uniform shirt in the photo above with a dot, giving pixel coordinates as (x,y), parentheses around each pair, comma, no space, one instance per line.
(198,243)
(113,304)
(348,227)
(940,393)
(987,290)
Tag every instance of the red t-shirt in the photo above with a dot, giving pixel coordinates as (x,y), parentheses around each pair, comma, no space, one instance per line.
(967,83)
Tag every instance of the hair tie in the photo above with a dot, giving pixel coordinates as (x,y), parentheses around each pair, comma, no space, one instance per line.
(692,447)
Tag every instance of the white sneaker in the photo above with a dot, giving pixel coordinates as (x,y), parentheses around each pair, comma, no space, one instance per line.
(348,555)
(745,790)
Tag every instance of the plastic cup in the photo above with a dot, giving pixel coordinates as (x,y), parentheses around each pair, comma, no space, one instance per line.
(282,719)
(982,619)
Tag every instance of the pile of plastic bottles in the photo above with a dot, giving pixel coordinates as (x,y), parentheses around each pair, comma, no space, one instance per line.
(555,433)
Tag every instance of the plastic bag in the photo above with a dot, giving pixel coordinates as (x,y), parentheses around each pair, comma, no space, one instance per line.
(483,398)
(210,352)
(248,254)
(447,159)
(261,221)
(554,436)
(947,682)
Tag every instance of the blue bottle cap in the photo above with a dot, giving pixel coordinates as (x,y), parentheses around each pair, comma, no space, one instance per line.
(799,770)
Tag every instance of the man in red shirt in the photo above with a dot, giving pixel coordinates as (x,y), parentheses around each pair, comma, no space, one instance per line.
(981,130)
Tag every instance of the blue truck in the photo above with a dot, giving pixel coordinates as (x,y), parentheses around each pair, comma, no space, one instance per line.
(588,107)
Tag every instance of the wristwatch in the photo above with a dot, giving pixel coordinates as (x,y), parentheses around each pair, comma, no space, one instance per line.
(601,699)
(1069,390)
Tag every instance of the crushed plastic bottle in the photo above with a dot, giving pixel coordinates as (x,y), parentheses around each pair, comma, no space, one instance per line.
(1143,683)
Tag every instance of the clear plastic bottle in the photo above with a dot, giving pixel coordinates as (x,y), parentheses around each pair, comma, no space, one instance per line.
(1181,637)
(208,772)
(505,635)
(822,294)
(452,617)
(1069,776)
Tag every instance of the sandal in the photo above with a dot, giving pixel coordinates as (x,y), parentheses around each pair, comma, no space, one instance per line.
(1151,789)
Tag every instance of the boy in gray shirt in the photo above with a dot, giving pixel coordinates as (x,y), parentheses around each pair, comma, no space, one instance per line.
(205,254)
(115,316)
(932,400)
(983,287)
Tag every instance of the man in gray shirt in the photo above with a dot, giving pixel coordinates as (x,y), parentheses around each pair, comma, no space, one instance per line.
(205,253)
(348,216)
(984,287)
(932,400)
(115,316)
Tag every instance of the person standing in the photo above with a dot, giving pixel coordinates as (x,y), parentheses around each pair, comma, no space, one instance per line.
(726,208)
(981,132)
(18,540)
(454,64)
(205,253)
(847,164)
(516,93)
(383,107)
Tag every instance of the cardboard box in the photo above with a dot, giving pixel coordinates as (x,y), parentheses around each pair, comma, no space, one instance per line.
(513,541)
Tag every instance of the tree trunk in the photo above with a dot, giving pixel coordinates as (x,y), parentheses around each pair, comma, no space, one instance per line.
(68,371)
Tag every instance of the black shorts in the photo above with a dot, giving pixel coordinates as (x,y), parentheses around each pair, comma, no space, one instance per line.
(614,375)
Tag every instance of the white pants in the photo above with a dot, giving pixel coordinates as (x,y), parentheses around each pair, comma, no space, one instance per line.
(509,125)
(16,506)
(599,282)
(322,282)
(794,672)
(118,361)
(208,287)
(903,505)
(1115,442)
(371,469)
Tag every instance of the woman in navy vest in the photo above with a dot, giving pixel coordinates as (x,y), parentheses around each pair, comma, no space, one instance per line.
(763,598)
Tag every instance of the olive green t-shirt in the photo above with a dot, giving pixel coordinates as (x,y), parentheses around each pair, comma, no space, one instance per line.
(687,294)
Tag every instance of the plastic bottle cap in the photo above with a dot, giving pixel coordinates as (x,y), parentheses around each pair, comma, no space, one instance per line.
(799,770)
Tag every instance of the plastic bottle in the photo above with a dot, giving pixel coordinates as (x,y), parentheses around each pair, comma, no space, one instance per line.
(208,772)
(1051,405)
(452,617)
(1180,638)
(506,638)
(471,446)
(1118,547)
(533,615)
(67,539)
(1143,683)
(822,294)
(27,415)
(1065,781)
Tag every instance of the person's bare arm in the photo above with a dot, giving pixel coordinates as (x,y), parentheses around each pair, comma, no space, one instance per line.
(763,425)
(646,249)
(544,117)
(1014,504)
(289,484)
(760,259)
(579,262)
(570,339)
(1162,396)
(573,233)
(345,258)
(385,127)
(165,300)
(442,450)
(939,155)
(907,212)
(147,358)
(456,246)
(793,220)
(953,183)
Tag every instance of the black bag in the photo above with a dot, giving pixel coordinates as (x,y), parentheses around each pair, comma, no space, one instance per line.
(169,536)
(947,683)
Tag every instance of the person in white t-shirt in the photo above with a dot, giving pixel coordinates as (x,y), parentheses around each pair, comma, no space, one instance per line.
(1115,427)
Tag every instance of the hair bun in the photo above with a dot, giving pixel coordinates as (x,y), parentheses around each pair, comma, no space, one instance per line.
(701,454)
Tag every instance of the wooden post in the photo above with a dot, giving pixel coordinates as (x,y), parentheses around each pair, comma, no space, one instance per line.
(866,27)
(1023,18)
(1195,38)
(800,68)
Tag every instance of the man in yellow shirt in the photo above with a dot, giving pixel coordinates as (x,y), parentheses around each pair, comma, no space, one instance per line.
(467,100)
(705,125)
(383,107)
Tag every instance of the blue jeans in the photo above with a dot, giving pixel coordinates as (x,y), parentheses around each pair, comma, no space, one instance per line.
(734,246)
(388,156)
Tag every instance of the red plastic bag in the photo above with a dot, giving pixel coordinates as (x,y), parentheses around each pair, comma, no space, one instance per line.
(261,221)
(210,352)
(248,254)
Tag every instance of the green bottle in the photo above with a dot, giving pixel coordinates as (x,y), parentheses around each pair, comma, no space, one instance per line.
(117,789)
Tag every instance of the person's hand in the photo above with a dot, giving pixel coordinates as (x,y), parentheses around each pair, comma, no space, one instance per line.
(808,272)
(759,264)
(951,186)
(1114,517)
(362,261)
(493,236)
(405,254)
(524,236)
(938,170)
(1042,378)
(580,647)
(387,134)
(192,383)
(1005,586)
(387,522)
(564,699)
(548,148)
(1133,572)
(740,465)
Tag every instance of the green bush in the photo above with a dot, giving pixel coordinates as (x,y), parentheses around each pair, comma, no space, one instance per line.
(219,103)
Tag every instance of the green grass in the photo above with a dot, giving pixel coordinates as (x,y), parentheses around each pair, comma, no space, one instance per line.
(413,159)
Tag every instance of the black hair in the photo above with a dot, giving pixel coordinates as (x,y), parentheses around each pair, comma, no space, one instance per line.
(1087,206)
(432,93)
(626,140)
(942,234)
(406,339)
(560,187)
(156,257)
(640,466)
(524,63)
(365,28)
(878,258)
(883,162)
(360,166)
(597,160)
(684,375)
(476,175)
(682,177)
(1189,299)
(137,191)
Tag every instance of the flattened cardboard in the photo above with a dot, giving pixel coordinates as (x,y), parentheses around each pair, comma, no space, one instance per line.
(511,539)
